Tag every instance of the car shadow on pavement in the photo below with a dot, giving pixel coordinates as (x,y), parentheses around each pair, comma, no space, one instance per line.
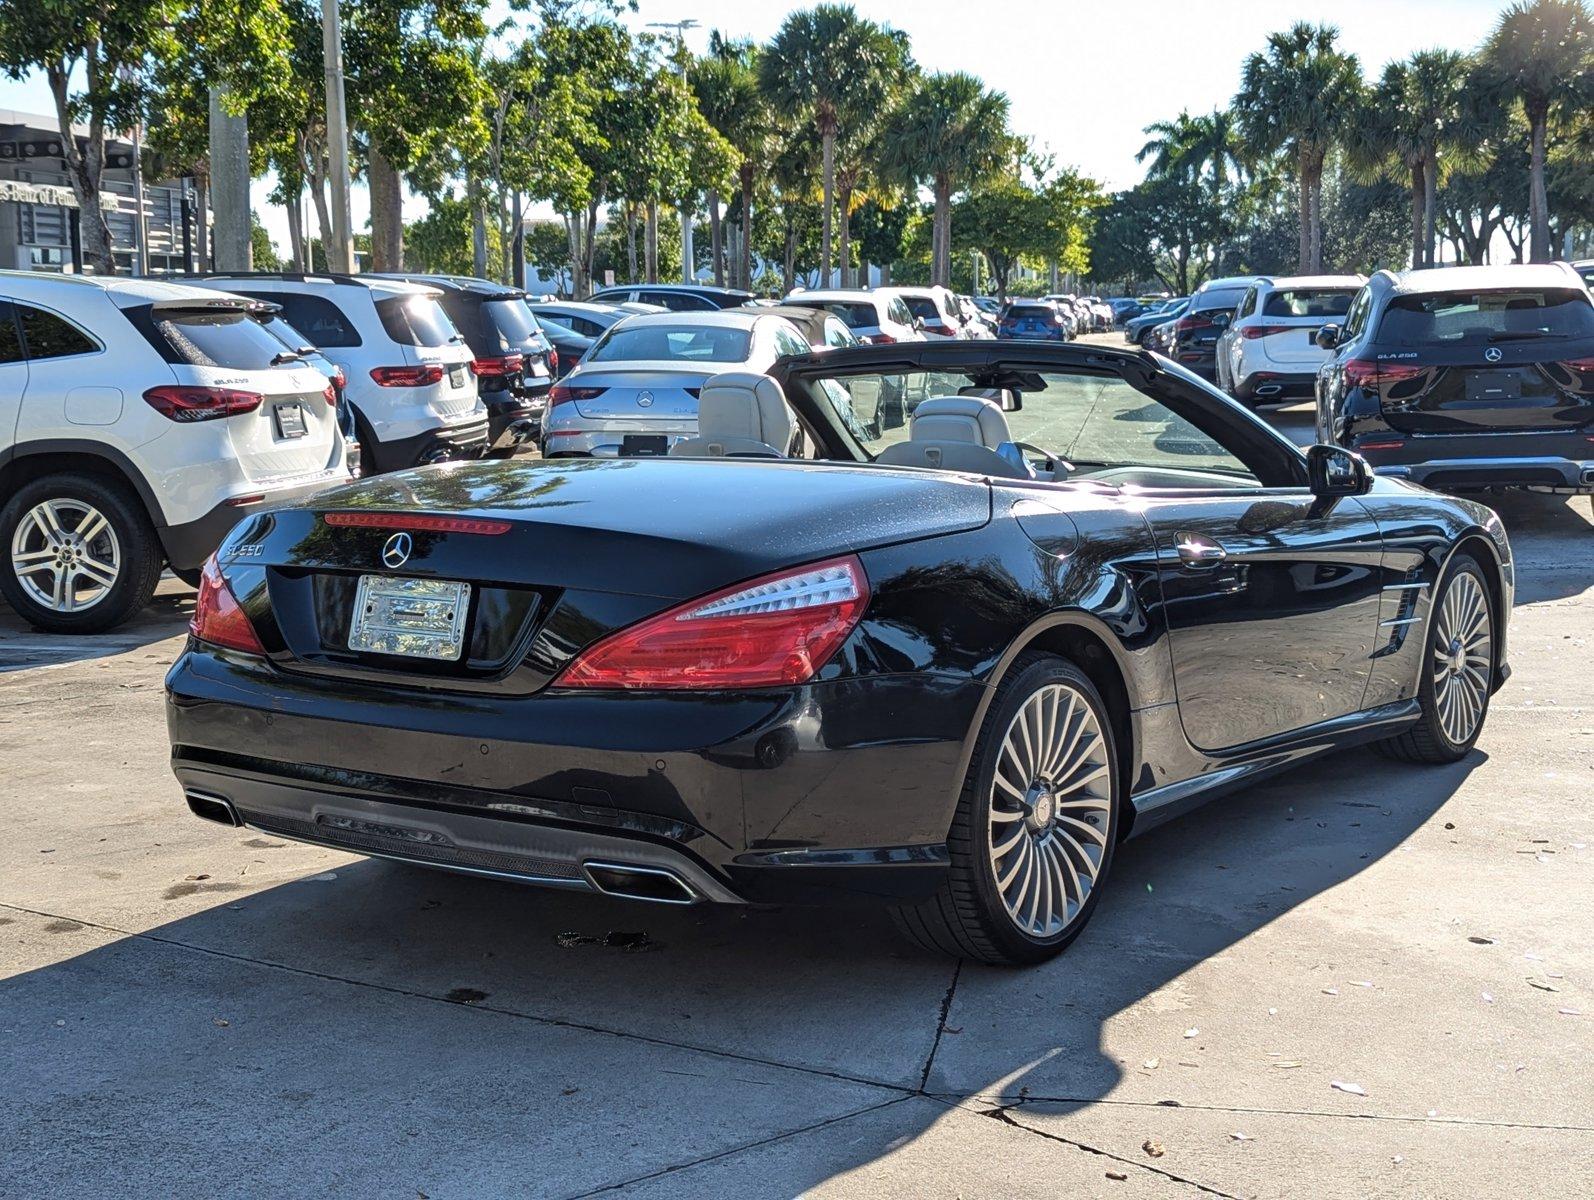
(330,1006)
(22,646)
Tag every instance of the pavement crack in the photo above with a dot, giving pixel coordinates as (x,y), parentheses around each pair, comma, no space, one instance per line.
(940,1027)
(394,990)
(1004,1114)
(741,1149)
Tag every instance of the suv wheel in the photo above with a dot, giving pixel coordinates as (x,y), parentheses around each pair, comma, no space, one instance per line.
(79,554)
(1033,836)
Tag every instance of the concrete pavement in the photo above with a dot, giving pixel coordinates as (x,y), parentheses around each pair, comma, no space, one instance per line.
(191,1011)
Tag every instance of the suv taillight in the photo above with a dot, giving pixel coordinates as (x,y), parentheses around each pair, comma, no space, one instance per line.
(217,618)
(1365,373)
(880,339)
(495,368)
(189,402)
(1262,331)
(553,360)
(1190,323)
(422,376)
(772,632)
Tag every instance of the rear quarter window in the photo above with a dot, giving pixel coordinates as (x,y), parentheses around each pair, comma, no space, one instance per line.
(1446,318)
(316,317)
(49,336)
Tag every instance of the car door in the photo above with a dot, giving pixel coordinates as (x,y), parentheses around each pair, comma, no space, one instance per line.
(1228,358)
(13,377)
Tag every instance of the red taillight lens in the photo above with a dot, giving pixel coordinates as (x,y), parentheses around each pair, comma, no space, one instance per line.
(422,376)
(560,394)
(1191,323)
(330,396)
(187,403)
(506,364)
(339,379)
(553,360)
(880,339)
(217,618)
(772,632)
(412,521)
(1361,372)
(1584,366)
(1262,331)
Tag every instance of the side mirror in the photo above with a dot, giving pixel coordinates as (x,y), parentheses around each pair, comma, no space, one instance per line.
(918,324)
(1336,471)
(1327,336)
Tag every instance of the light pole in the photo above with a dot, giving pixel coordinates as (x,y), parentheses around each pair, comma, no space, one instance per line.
(340,254)
(688,253)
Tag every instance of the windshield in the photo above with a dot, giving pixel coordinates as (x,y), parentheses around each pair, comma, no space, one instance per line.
(514,323)
(857,316)
(221,339)
(677,343)
(922,306)
(288,335)
(1309,302)
(1217,298)
(1444,318)
(416,321)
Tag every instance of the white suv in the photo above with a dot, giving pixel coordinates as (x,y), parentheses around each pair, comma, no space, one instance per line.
(410,380)
(1269,352)
(139,421)
(873,316)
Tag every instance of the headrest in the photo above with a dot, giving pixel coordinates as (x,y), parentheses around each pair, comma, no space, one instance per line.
(960,419)
(748,405)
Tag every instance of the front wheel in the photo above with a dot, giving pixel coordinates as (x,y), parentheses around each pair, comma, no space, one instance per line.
(1457,670)
(80,555)
(1033,835)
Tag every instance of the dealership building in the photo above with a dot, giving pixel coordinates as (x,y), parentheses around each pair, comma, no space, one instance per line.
(39,213)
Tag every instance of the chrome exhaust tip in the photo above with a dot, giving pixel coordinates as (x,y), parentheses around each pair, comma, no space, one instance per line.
(1268,389)
(1586,476)
(212,808)
(629,882)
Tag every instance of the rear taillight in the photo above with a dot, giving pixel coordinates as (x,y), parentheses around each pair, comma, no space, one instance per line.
(1583,366)
(339,379)
(772,632)
(188,403)
(491,368)
(560,394)
(1191,323)
(1262,331)
(422,376)
(330,395)
(553,360)
(217,618)
(880,339)
(1361,372)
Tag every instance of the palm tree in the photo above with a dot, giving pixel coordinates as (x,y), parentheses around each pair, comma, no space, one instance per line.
(826,64)
(1189,147)
(1541,56)
(951,133)
(728,95)
(1415,123)
(1297,96)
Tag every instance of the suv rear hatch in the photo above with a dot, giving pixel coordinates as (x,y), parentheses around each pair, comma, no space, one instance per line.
(426,337)
(554,556)
(279,414)
(1507,360)
(1290,319)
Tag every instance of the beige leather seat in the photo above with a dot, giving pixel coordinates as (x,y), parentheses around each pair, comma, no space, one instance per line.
(957,433)
(740,414)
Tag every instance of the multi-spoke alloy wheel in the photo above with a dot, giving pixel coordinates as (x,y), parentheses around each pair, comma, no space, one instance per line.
(1457,669)
(1032,837)
(1050,800)
(1461,659)
(65,555)
(77,552)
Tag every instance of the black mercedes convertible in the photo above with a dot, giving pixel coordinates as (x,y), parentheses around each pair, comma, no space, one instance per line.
(931,625)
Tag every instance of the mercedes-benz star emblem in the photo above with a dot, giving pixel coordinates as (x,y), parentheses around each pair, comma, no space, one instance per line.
(396,550)
(1492,354)
(645,400)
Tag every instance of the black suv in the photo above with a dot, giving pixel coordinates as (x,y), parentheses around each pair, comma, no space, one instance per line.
(515,364)
(1466,378)
(1195,334)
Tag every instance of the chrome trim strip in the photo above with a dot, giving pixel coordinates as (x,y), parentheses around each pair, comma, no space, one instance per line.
(692,895)
(1403,587)
(1398,621)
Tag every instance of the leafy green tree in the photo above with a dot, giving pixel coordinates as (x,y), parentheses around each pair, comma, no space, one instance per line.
(1541,57)
(444,239)
(725,83)
(1296,97)
(264,251)
(950,133)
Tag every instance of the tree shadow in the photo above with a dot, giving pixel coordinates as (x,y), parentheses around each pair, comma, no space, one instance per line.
(818,997)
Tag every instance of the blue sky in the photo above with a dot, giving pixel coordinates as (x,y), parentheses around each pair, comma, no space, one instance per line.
(1083,78)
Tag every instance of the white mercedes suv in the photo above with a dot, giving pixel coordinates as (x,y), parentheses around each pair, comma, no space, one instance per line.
(139,421)
(410,379)
(1269,354)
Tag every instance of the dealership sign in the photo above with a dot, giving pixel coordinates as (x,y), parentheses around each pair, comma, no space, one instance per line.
(15,191)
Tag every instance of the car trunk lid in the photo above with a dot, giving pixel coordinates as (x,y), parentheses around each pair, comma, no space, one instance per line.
(638,392)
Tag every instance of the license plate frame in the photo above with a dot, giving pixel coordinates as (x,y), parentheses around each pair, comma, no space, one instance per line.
(1491,387)
(409,617)
(456,376)
(290,421)
(539,369)
(644,445)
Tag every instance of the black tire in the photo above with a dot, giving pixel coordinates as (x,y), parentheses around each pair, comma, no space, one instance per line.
(968,918)
(1427,741)
(139,549)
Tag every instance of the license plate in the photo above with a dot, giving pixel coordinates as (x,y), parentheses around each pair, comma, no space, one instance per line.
(290,421)
(456,377)
(539,368)
(421,618)
(1486,386)
(644,445)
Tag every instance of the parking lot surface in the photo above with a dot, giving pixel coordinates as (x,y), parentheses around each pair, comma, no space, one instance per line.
(1360,979)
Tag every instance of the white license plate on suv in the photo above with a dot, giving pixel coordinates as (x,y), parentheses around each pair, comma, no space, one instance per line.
(421,618)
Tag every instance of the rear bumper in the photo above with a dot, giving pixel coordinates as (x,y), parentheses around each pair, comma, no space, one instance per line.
(1273,387)
(761,796)
(435,445)
(1480,462)
(188,545)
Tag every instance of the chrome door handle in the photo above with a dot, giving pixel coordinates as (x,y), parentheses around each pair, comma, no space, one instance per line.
(1198,552)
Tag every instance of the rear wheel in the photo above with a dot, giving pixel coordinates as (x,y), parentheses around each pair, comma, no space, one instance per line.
(1032,839)
(1457,670)
(80,554)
